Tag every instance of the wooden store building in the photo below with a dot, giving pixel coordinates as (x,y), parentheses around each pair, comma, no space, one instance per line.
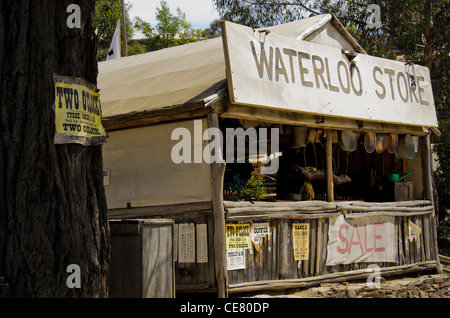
(278,158)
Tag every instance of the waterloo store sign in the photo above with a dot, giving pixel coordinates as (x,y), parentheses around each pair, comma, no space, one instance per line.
(270,70)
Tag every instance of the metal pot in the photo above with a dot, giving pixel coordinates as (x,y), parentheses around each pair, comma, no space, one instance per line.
(347,140)
(393,143)
(370,142)
(405,148)
(382,142)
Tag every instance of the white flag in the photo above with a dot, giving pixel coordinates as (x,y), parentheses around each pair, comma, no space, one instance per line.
(114,48)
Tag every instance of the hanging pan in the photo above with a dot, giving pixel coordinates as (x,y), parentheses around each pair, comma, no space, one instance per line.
(382,142)
(393,143)
(370,142)
(405,148)
(347,140)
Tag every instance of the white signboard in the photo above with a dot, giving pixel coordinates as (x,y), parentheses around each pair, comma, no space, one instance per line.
(202,243)
(365,239)
(186,243)
(271,70)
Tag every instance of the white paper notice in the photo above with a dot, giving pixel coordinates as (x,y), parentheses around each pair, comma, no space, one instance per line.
(186,243)
(235,259)
(259,230)
(175,242)
(202,243)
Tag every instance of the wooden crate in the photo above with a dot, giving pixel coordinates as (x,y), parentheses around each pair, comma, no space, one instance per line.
(142,263)
(403,191)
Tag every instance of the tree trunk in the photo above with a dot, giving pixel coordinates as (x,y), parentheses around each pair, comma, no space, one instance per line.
(429,36)
(55,200)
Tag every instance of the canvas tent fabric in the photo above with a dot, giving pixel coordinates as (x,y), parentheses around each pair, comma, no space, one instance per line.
(164,78)
(193,73)
(129,153)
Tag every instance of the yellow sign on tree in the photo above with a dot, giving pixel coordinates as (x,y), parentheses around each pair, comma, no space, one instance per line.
(78,114)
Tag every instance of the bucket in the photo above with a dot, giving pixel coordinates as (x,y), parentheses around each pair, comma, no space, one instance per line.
(405,148)
(299,136)
(347,140)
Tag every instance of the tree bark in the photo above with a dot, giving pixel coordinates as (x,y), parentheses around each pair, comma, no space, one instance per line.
(55,200)
(429,35)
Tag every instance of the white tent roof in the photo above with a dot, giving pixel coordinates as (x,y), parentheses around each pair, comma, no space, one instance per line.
(192,73)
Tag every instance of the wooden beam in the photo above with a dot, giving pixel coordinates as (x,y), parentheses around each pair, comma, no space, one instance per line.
(151,211)
(217,176)
(285,117)
(156,116)
(329,165)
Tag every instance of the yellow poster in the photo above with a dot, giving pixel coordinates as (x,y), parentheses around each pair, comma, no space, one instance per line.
(238,236)
(300,234)
(78,115)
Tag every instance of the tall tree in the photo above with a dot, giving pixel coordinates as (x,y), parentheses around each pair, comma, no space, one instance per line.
(55,201)
(170,29)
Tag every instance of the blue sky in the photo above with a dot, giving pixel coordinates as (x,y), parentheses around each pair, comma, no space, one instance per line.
(200,13)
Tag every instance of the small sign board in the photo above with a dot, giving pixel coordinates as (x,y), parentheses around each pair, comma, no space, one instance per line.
(78,114)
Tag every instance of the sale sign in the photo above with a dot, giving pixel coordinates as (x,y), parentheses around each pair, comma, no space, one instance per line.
(363,239)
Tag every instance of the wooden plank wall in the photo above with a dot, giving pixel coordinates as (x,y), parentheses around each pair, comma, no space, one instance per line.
(158,279)
(275,258)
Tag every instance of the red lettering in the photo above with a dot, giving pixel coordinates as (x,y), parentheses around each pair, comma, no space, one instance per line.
(365,239)
(377,237)
(343,239)
(355,227)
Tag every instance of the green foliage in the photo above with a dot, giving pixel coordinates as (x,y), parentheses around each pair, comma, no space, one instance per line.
(442,174)
(170,30)
(236,185)
(254,188)
(213,31)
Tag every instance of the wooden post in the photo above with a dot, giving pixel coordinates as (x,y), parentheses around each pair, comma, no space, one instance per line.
(425,150)
(124,30)
(329,165)
(220,260)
